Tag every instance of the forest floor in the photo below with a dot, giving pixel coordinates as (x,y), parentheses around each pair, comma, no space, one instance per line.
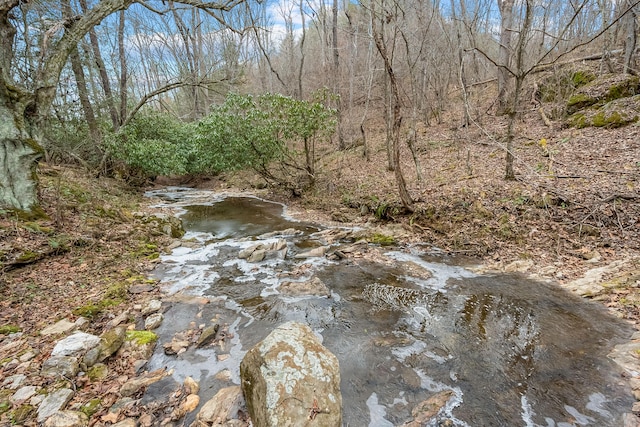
(574,208)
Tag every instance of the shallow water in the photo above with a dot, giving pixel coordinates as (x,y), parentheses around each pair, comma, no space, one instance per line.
(513,351)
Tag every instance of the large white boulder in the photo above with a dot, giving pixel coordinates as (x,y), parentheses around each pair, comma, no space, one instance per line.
(291,380)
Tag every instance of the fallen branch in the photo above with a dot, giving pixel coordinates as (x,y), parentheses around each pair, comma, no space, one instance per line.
(37,256)
(621,196)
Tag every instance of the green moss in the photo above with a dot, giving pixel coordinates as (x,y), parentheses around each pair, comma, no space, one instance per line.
(91,407)
(34,214)
(28,256)
(382,239)
(147,250)
(578,120)
(21,414)
(4,407)
(9,329)
(117,291)
(582,77)
(35,227)
(613,120)
(628,87)
(89,310)
(141,337)
(579,101)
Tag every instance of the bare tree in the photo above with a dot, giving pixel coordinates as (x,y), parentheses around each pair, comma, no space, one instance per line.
(376,19)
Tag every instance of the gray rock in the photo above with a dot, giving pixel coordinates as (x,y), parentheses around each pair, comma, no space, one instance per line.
(153,321)
(60,366)
(257,255)
(23,394)
(127,422)
(91,357)
(53,403)
(81,322)
(133,386)
(314,286)
(279,245)
(14,382)
(313,253)
(67,419)
(61,327)
(27,356)
(223,407)
(110,342)
(290,379)
(208,335)
(75,344)
(246,252)
(152,306)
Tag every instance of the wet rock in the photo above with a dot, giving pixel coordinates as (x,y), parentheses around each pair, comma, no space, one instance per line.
(223,407)
(67,419)
(289,378)
(23,394)
(133,386)
(14,382)
(191,386)
(313,253)
(60,366)
(224,375)
(424,411)
(61,327)
(175,347)
(153,321)
(75,344)
(53,403)
(190,403)
(287,232)
(208,335)
(152,306)
(314,286)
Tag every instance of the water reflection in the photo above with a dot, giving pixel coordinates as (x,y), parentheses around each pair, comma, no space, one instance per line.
(512,352)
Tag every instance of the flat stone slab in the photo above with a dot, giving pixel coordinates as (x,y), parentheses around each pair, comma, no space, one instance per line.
(61,327)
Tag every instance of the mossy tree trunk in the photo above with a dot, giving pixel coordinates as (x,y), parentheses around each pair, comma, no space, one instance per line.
(19,152)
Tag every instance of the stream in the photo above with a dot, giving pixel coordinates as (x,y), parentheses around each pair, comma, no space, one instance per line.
(404,325)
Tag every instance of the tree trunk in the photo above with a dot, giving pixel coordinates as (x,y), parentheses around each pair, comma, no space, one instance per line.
(405,198)
(630,38)
(123,68)
(102,69)
(506,24)
(336,74)
(19,153)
